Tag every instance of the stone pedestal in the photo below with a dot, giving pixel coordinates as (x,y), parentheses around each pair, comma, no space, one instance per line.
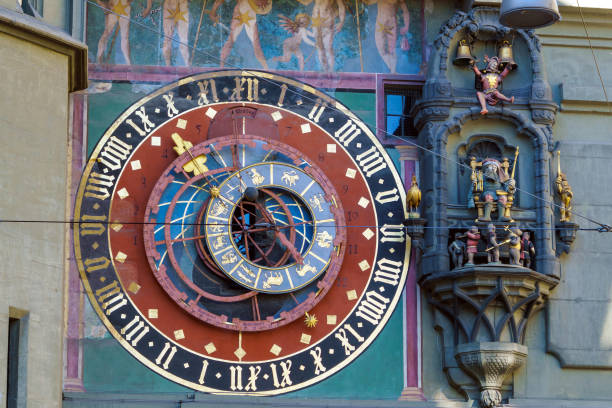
(490,363)
(486,309)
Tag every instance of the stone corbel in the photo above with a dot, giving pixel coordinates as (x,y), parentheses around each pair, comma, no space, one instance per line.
(566,232)
(486,309)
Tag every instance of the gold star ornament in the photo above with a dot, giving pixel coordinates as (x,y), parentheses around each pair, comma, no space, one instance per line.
(310,320)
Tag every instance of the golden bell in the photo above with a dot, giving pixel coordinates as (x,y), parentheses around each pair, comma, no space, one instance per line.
(464,54)
(505,55)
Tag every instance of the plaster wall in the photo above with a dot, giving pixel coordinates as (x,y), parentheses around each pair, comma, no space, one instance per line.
(33,119)
(54,11)
(583,130)
(578,334)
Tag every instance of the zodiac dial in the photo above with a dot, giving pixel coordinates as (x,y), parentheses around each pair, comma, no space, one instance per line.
(241,232)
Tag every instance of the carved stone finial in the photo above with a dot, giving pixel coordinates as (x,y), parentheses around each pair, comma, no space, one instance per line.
(490,363)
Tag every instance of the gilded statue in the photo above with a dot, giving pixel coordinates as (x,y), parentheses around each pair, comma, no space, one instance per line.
(564,191)
(413,198)
(492,185)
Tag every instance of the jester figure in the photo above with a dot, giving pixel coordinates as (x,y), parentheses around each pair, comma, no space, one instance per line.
(488,82)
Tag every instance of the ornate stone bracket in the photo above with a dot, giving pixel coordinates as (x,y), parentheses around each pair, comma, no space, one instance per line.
(566,231)
(487,308)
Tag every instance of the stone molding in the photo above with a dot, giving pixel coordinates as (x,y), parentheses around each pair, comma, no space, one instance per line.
(35,31)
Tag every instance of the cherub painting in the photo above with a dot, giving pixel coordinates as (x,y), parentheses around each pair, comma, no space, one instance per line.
(299,31)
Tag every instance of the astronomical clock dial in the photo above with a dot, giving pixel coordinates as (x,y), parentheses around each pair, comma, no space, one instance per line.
(241,232)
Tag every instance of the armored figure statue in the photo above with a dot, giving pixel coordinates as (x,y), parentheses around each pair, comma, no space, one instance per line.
(488,82)
(514,249)
(527,250)
(473,236)
(493,245)
(495,185)
(457,250)
(564,191)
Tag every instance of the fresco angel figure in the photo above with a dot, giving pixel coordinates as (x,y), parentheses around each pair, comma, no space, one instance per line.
(175,18)
(299,31)
(117,12)
(244,18)
(386,29)
(327,20)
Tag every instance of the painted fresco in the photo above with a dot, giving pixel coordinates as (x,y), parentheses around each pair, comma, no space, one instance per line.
(301,35)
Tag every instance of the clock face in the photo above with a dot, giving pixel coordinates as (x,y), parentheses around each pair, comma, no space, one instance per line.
(241,232)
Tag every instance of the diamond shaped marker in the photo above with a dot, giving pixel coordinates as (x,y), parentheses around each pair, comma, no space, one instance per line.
(120,257)
(276,350)
(181,124)
(368,233)
(351,294)
(123,193)
(240,353)
(210,348)
(364,265)
(363,202)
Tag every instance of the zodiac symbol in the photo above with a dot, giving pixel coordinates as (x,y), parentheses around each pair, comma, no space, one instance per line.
(290,177)
(247,270)
(228,258)
(244,278)
(219,242)
(316,201)
(256,177)
(302,270)
(273,279)
(324,239)
(214,227)
(219,208)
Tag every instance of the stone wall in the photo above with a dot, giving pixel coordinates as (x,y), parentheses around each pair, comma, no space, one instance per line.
(34,83)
